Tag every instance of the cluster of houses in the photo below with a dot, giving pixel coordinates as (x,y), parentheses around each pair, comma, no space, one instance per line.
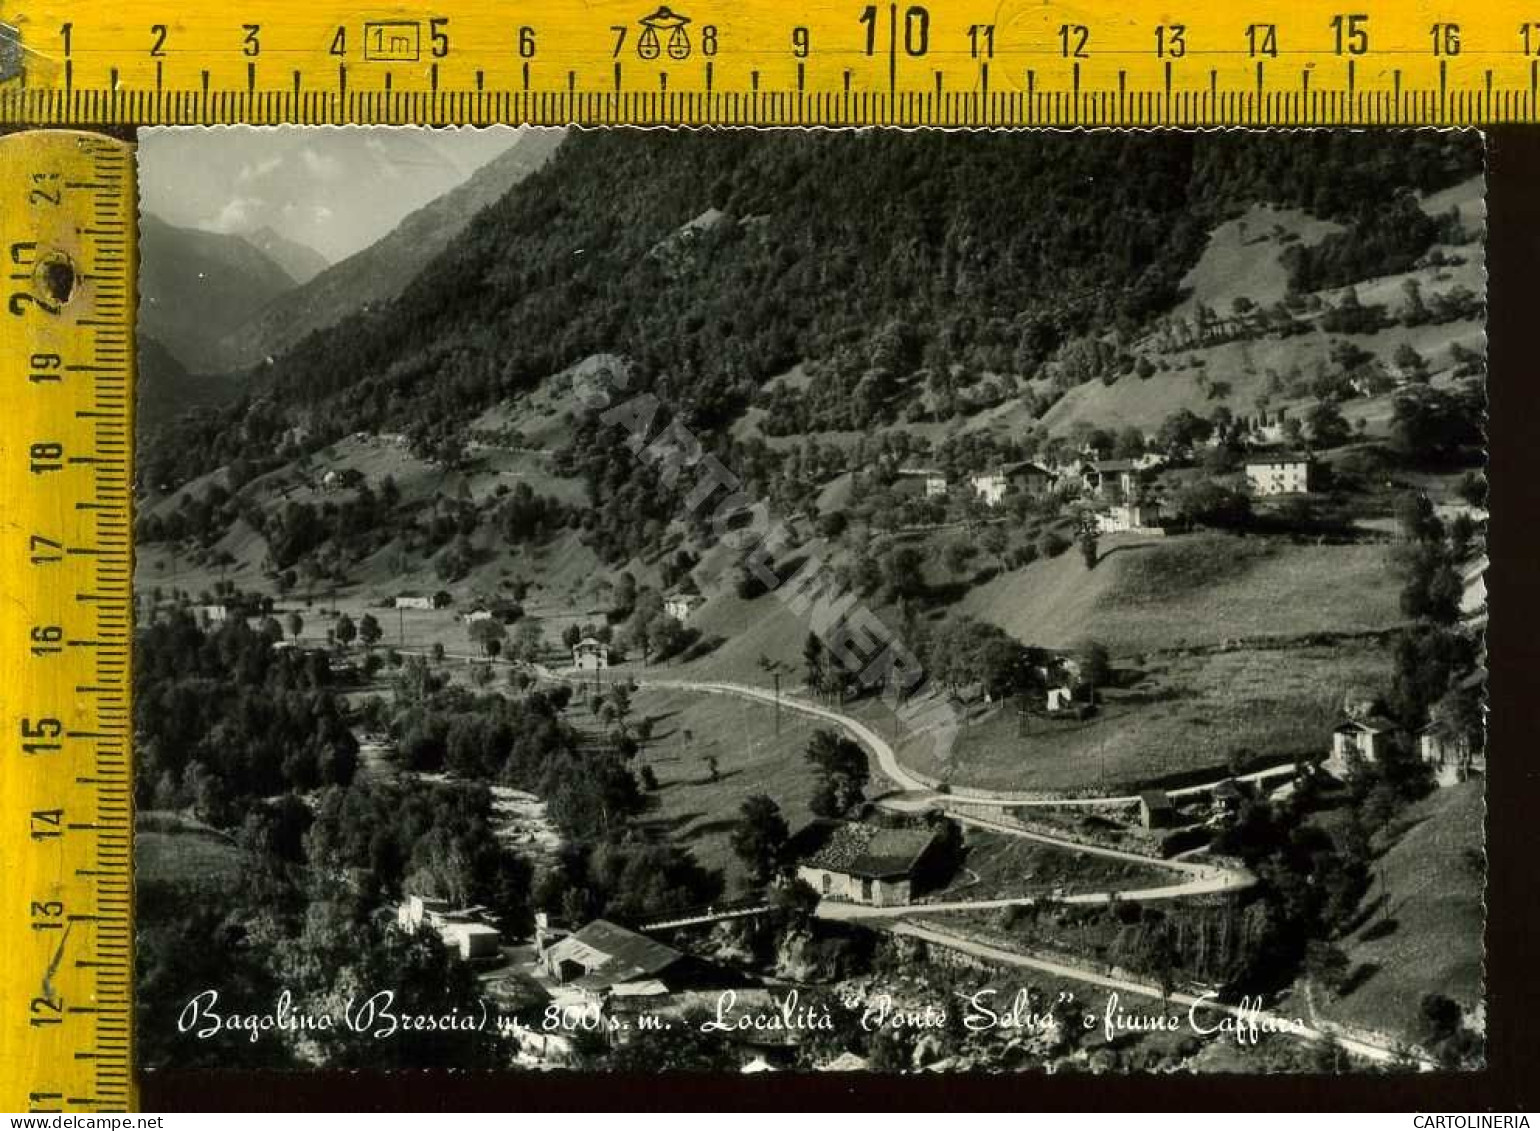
(1118,483)
(1452,756)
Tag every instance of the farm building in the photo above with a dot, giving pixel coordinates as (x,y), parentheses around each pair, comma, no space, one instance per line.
(478,615)
(604,959)
(1156,810)
(1279,473)
(1111,476)
(1353,740)
(682,605)
(929,481)
(862,863)
(462,929)
(590,655)
(1025,477)
(413,602)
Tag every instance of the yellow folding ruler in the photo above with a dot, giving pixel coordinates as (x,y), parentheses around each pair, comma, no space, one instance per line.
(66,354)
(67,234)
(942,62)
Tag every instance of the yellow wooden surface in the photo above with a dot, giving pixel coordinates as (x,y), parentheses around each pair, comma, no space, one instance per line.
(765,61)
(67,238)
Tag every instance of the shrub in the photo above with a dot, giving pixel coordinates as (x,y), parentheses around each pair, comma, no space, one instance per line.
(1051,544)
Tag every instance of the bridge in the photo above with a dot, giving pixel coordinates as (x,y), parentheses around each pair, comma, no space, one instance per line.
(711,913)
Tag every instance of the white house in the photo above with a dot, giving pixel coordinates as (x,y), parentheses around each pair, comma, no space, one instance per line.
(1128,516)
(681,605)
(1279,473)
(461,929)
(1107,474)
(478,615)
(590,655)
(1026,477)
(1355,740)
(414,602)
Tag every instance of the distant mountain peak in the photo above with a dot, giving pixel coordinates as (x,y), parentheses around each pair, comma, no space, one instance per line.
(299,259)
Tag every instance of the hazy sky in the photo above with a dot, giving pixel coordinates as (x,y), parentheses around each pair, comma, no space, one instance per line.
(336,189)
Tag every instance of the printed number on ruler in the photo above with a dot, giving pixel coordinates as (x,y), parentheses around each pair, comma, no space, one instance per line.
(67,234)
(945,61)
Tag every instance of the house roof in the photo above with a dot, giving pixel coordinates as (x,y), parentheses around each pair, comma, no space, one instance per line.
(1256,459)
(687,598)
(1374,724)
(1105,465)
(1156,799)
(1021,467)
(921,471)
(590,642)
(861,850)
(613,954)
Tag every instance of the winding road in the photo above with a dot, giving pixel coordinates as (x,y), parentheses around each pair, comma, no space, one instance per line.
(1244,1020)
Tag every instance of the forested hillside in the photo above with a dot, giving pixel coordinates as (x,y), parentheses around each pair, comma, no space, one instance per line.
(381,271)
(196,286)
(715,261)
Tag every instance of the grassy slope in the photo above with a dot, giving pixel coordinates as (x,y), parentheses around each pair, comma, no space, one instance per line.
(1186,714)
(1151,593)
(1426,921)
(176,853)
(997,866)
(692,809)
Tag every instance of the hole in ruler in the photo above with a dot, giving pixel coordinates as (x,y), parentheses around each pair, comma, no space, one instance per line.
(56,275)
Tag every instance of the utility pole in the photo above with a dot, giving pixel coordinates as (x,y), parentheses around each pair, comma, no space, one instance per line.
(775,668)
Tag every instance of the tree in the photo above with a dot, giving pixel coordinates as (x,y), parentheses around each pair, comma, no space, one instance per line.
(485,632)
(1326,964)
(760,837)
(1328,427)
(815,665)
(1419,523)
(295,624)
(1413,366)
(1095,664)
(994,540)
(842,770)
(369,630)
(347,631)
(1207,502)
(958,555)
(1088,546)
(903,570)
